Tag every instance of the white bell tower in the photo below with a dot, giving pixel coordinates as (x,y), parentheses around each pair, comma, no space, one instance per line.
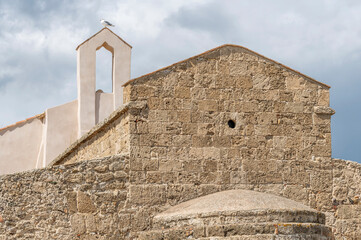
(86,75)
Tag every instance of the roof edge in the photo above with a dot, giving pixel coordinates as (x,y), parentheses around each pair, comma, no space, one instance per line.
(230,45)
(39,116)
(100,32)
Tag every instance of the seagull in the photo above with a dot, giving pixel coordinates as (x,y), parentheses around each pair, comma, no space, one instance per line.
(106,23)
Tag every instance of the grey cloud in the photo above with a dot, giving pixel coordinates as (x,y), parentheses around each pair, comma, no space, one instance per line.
(4,81)
(208,17)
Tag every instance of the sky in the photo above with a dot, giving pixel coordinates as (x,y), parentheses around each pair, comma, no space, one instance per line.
(321,39)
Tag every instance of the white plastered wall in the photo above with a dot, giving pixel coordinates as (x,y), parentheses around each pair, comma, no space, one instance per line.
(20,146)
(104,106)
(36,142)
(61,129)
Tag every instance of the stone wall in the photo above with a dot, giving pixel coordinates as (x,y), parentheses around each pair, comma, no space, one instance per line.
(281,142)
(175,129)
(104,199)
(78,201)
(346,195)
(346,180)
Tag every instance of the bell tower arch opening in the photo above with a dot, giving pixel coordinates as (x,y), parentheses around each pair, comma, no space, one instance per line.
(104,69)
(104,61)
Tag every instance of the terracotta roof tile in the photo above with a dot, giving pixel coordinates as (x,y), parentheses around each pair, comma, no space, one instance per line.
(229,45)
(40,116)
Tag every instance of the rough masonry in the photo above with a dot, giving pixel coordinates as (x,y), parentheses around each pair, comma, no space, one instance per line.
(223,120)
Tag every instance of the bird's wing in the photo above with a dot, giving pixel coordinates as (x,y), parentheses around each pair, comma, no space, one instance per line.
(108,23)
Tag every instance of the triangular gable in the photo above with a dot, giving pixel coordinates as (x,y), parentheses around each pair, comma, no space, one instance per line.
(211,51)
(103,29)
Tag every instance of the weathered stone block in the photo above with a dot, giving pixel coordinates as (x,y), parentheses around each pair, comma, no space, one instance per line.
(189,128)
(184,116)
(181,140)
(192,165)
(150,164)
(247,107)
(204,80)
(198,93)
(321,119)
(296,192)
(222,141)
(208,105)
(293,82)
(238,177)
(207,67)
(90,223)
(182,92)
(71,198)
(202,141)
(323,110)
(211,153)
(84,203)
(105,177)
(169,165)
(155,103)
(210,166)
(77,224)
(323,97)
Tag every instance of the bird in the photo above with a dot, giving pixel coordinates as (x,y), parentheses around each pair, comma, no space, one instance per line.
(106,23)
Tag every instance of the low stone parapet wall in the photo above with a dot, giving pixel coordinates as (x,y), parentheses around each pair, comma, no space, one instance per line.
(105,199)
(76,201)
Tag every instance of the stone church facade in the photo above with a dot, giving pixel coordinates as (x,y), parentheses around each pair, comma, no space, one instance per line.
(227,144)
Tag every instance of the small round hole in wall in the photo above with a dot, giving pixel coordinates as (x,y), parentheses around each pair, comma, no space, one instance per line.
(231,124)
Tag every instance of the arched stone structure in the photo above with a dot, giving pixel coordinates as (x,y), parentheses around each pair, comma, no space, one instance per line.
(86,74)
(239,214)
